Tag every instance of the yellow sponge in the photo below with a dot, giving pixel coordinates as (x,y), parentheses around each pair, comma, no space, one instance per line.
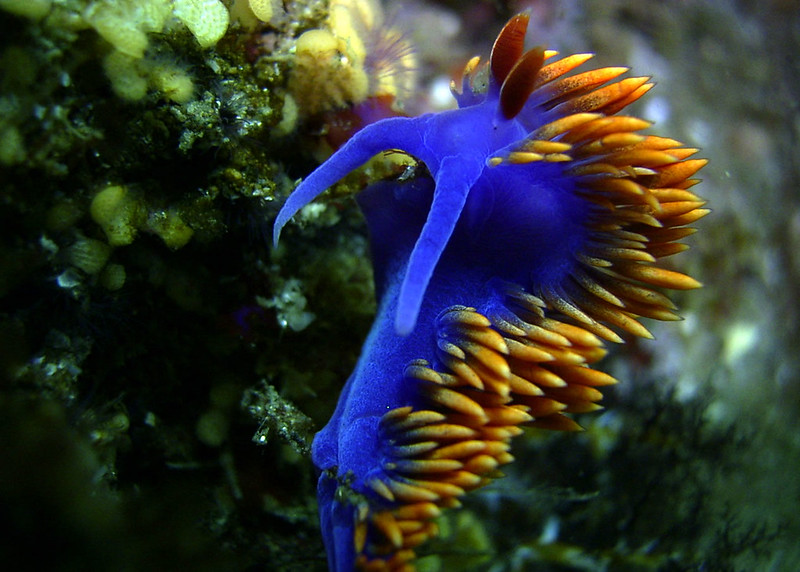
(118,214)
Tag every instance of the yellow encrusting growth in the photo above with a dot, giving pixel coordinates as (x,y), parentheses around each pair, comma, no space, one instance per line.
(251,13)
(122,214)
(207,19)
(327,74)
(127,79)
(262,9)
(128,26)
(118,213)
(33,9)
(172,81)
(125,23)
(131,77)
(354,57)
(170,227)
(111,21)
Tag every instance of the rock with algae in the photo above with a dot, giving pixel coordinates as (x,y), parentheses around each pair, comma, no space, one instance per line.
(141,153)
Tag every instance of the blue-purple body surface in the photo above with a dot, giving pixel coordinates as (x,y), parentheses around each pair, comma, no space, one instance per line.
(441,239)
(490,206)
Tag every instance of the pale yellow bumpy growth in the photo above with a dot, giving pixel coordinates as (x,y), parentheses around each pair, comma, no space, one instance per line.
(33,9)
(250,14)
(118,213)
(327,74)
(122,214)
(330,71)
(206,19)
(262,9)
(128,24)
(125,24)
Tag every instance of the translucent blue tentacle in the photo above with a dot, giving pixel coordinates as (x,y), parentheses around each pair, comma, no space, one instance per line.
(392,133)
(454,179)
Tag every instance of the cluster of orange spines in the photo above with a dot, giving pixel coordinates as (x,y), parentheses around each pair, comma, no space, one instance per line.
(528,363)
(639,184)
(517,369)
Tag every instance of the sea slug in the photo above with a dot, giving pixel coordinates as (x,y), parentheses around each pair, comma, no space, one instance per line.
(529,234)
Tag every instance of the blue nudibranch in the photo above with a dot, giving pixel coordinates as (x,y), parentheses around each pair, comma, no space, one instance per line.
(533,235)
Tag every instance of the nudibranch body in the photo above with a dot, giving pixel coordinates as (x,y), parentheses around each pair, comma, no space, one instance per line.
(530,234)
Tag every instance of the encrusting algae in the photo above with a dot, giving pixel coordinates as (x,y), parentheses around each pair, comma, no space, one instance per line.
(129,25)
(118,213)
(336,66)
(32,9)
